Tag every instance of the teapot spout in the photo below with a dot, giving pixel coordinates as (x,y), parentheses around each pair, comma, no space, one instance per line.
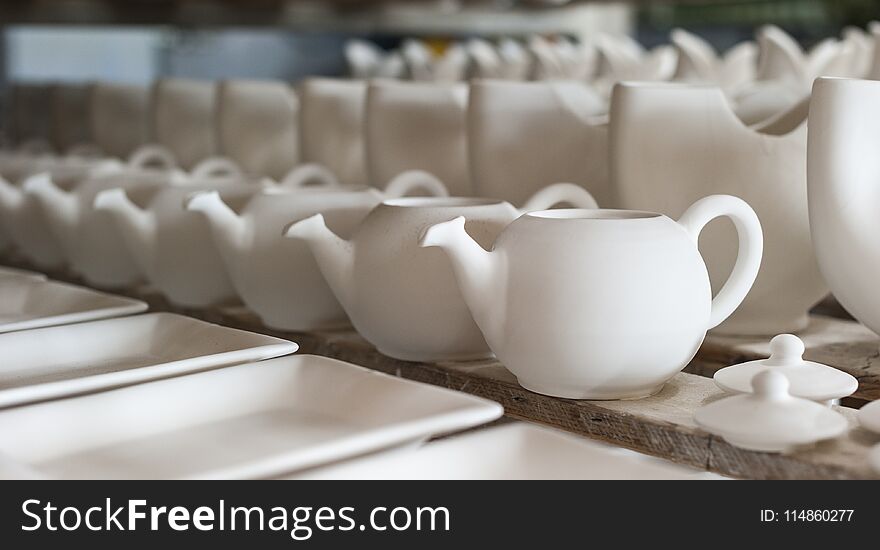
(228,228)
(334,255)
(477,271)
(62,207)
(138,226)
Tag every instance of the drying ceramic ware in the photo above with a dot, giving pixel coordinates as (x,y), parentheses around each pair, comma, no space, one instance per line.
(781,58)
(862,48)
(622,58)
(598,304)
(417,126)
(511,124)
(23,220)
(869,416)
(120,118)
(518,451)
(844,190)
(276,277)
(404,300)
(257,125)
(173,247)
(31,302)
(807,379)
(332,127)
(53,362)
(248,421)
(366,60)
(508,61)
(24,224)
(183,118)
(91,244)
(764,166)
(71,116)
(770,419)
(424,65)
(698,61)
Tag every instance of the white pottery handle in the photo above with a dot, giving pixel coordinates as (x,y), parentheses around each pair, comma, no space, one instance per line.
(557,193)
(406,182)
(311,174)
(216,167)
(147,155)
(748,258)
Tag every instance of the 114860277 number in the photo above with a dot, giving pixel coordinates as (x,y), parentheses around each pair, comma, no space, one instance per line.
(817,515)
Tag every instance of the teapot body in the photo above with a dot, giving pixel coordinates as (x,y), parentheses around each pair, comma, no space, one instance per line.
(599,305)
(406,301)
(278,277)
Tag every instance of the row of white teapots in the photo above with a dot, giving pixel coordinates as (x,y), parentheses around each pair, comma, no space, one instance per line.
(577,303)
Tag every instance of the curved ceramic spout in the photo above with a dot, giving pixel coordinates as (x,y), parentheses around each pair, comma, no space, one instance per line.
(479,273)
(335,256)
(138,226)
(11,197)
(62,206)
(229,228)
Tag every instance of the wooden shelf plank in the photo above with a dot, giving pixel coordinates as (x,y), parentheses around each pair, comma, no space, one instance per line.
(661,425)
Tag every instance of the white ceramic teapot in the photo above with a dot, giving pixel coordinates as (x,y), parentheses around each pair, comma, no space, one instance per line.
(24,222)
(523,136)
(91,244)
(183,118)
(257,125)
(673,143)
(417,126)
(331,129)
(402,299)
(173,247)
(843,173)
(276,277)
(598,304)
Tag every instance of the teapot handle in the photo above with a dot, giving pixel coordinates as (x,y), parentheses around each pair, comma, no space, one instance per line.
(751,248)
(216,167)
(405,182)
(147,155)
(552,195)
(311,174)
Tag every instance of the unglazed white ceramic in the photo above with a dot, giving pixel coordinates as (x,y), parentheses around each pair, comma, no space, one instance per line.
(404,299)
(249,421)
(598,304)
(674,143)
(844,192)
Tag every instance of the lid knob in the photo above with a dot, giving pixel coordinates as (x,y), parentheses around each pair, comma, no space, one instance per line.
(786,349)
(770,385)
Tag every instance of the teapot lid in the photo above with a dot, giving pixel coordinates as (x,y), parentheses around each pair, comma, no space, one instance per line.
(869,416)
(770,419)
(807,379)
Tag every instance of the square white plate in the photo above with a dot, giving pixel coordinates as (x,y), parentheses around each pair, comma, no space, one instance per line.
(514,451)
(14,272)
(30,302)
(248,421)
(47,363)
